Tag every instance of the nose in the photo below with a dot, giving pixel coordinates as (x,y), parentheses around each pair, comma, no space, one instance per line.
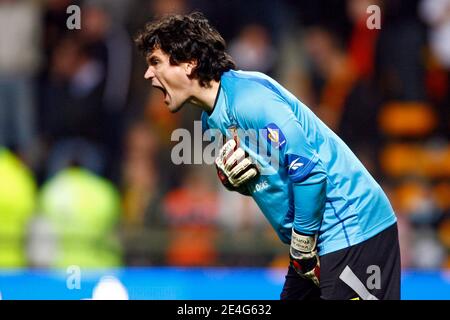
(149,74)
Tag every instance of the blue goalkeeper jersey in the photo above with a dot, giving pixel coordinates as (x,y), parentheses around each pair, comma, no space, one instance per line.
(317,184)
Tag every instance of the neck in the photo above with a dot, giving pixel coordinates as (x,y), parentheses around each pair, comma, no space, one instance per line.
(205,98)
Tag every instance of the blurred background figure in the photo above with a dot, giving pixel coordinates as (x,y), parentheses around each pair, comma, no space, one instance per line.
(191,212)
(86,136)
(20,59)
(86,91)
(17,206)
(435,14)
(253,49)
(335,74)
(142,186)
(82,211)
(73,115)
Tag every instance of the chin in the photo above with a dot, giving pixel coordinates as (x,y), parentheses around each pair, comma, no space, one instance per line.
(174,109)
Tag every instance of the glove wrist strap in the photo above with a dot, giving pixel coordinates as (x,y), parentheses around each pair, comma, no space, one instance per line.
(303,243)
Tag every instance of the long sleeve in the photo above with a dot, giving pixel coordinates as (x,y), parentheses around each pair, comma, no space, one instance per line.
(301,162)
(308,179)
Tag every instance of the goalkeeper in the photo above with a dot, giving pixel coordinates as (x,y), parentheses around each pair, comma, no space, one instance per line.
(319,198)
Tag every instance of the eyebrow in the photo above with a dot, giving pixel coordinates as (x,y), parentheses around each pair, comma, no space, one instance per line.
(150,58)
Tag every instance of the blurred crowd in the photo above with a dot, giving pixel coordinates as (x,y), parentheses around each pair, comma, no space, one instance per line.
(85,143)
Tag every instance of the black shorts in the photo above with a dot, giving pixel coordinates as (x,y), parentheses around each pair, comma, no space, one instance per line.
(369,270)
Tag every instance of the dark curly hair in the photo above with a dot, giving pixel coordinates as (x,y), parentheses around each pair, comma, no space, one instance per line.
(185,38)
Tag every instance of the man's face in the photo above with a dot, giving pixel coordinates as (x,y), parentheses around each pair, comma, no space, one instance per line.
(172,80)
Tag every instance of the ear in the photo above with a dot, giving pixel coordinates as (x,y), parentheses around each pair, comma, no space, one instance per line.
(190,67)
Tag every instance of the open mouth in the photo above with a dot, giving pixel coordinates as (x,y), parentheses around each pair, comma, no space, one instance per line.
(160,88)
(163,90)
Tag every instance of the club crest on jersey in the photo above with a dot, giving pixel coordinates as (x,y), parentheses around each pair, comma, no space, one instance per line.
(275,136)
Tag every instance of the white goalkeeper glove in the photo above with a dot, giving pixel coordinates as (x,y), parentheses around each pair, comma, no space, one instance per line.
(303,256)
(234,168)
